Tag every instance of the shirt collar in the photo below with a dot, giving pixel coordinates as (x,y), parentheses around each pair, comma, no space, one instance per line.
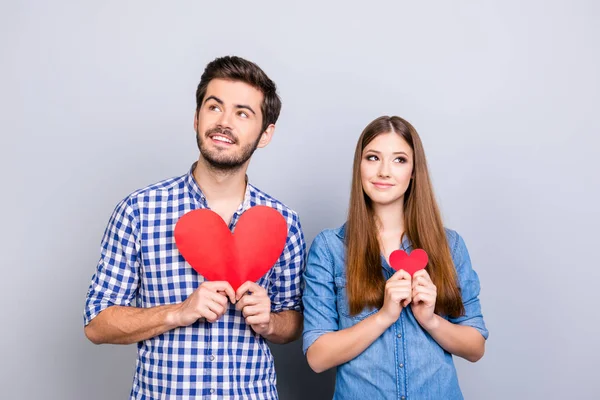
(200,198)
(405,245)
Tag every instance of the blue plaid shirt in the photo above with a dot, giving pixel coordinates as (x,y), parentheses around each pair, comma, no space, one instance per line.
(141,266)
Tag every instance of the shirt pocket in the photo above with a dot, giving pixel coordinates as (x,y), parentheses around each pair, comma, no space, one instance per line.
(346,319)
(167,279)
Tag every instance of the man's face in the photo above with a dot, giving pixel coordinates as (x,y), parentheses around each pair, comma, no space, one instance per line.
(228,124)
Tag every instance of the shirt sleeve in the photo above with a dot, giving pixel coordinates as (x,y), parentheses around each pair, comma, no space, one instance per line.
(319,298)
(469,287)
(116,279)
(285,281)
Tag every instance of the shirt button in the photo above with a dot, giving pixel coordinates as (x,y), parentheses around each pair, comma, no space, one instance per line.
(212,391)
(401,365)
(403,398)
(212,358)
(399,335)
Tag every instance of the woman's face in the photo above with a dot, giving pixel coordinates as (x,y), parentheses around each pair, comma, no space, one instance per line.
(386,169)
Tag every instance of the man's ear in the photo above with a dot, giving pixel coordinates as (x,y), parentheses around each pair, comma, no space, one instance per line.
(266,136)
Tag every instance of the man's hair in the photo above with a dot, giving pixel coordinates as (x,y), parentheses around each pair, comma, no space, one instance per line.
(238,69)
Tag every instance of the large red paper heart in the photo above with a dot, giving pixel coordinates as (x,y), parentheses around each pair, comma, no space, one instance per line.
(213,251)
(417,260)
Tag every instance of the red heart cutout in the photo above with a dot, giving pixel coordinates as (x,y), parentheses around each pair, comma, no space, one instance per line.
(417,260)
(208,245)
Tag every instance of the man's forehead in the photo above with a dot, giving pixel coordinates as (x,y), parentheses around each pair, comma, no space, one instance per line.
(234,92)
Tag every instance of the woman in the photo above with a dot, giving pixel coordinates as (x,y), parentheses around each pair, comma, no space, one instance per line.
(391,335)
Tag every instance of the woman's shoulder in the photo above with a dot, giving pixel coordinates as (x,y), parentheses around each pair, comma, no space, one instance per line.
(456,244)
(331,236)
(452,237)
(330,244)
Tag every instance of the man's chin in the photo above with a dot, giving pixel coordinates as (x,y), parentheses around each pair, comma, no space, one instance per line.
(225,159)
(221,163)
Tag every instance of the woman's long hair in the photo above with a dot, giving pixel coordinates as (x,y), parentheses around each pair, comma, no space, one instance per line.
(422,225)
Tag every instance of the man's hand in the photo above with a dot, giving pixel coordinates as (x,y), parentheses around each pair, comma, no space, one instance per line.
(255,305)
(209,301)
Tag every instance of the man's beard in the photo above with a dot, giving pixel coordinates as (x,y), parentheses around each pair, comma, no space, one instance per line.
(221,162)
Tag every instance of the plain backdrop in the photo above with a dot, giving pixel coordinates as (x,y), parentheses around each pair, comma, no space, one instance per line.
(97,100)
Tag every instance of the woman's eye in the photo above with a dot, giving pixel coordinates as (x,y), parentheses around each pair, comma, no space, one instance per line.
(372,158)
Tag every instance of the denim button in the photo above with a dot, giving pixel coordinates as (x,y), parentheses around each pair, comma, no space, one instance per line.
(401,365)
(399,335)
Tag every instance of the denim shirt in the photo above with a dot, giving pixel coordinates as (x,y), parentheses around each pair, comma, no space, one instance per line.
(405,362)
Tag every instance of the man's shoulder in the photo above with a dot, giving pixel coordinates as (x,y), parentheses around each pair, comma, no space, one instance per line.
(155,191)
(260,198)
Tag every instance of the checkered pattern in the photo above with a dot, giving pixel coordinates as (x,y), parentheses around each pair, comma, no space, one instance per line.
(140,265)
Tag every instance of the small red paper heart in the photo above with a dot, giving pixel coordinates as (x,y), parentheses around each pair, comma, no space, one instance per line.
(416,261)
(213,251)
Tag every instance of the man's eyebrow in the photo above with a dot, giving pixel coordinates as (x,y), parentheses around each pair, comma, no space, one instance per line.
(215,98)
(245,107)
(218,100)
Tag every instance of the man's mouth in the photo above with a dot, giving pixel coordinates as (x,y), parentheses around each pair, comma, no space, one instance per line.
(221,138)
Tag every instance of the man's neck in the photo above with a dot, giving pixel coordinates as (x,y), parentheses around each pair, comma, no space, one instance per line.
(224,190)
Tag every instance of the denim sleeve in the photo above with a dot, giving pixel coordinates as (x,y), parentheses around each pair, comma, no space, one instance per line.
(116,279)
(285,289)
(469,287)
(319,297)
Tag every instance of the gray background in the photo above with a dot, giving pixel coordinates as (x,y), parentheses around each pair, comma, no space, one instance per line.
(97,100)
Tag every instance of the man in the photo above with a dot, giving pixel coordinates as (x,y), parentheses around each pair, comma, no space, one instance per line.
(196,338)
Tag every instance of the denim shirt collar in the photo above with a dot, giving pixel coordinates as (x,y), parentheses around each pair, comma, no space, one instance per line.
(405,245)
